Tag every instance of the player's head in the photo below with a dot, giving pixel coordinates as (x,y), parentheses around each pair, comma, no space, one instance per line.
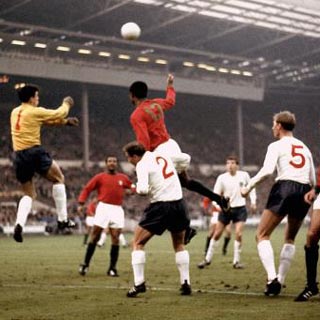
(134,152)
(111,163)
(29,93)
(287,120)
(232,163)
(138,90)
(284,120)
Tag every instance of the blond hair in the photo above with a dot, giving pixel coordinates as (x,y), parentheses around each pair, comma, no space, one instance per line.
(287,120)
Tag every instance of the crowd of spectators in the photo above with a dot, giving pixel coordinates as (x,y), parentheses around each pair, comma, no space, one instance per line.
(206,128)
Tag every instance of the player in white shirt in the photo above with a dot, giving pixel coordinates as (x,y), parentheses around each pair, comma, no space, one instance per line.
(229,185)
(157,178)
(295,177)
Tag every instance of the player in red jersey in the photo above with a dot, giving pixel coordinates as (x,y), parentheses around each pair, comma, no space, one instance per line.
(148,123)
(110,186)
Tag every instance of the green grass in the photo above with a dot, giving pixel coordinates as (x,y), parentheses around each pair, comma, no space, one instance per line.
(39,280)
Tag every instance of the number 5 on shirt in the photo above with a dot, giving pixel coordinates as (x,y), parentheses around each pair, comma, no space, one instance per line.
(295,153)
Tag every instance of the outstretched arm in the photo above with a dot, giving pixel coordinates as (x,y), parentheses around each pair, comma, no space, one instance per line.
(70,121)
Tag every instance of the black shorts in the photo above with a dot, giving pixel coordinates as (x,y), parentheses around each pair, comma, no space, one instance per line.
(235,215)
(29,161)
(287,198)
(171,215)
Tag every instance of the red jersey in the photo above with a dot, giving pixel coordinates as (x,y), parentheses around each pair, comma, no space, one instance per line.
(110,188)
(91,209)
(147,120)
(207,204)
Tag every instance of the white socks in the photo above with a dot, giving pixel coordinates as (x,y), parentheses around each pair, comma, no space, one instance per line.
(24,208)
(182,262)
(60,199)
(210,250)
(267,258)
(123,240)
(138,260)
(236,251)
(286,256)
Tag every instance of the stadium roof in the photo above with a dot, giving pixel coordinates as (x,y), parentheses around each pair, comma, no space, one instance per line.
(276,42)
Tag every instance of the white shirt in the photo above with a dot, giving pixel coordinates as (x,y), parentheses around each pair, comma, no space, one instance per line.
(230,185)
(158,178)
(292,159)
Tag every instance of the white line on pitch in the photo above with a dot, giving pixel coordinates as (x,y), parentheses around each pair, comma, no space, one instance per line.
(195,291)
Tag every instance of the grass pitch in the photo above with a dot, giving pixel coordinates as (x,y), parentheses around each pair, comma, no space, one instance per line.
(39,280)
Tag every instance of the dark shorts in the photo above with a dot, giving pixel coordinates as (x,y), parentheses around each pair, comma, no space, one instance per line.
(287,198)
(161,216)
(29,161)
(235,215)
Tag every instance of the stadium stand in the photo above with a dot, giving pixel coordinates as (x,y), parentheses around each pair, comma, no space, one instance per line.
(205,127)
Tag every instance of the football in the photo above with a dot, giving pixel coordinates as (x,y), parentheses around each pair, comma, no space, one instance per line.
(130,31)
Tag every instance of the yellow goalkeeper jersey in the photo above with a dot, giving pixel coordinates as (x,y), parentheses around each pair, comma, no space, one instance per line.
(26,121)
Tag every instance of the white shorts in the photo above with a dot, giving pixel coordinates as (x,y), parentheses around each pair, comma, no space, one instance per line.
(214,218)
(171,149)
(316,203)
(109,215)
(89,221)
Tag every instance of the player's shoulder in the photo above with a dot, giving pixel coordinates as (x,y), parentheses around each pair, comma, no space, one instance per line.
(298,141)
(242,173)
(100,175)
(278,145)
(122,175)
(223,175)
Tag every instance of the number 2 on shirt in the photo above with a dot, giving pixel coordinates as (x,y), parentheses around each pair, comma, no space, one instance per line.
(165,172)
(301,158)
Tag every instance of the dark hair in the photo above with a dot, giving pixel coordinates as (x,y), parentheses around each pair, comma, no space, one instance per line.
(233,158)
(110,156)
(139,89)
(287,120)
(27,92)
(134,148)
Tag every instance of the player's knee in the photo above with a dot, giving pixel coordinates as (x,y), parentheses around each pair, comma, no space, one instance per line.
(178,247)
(115,240)
(138,244)
(60,178)
(312,235)
(95,236)
(238,236)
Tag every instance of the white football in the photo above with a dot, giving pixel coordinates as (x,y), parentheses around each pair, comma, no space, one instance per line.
(130,31)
